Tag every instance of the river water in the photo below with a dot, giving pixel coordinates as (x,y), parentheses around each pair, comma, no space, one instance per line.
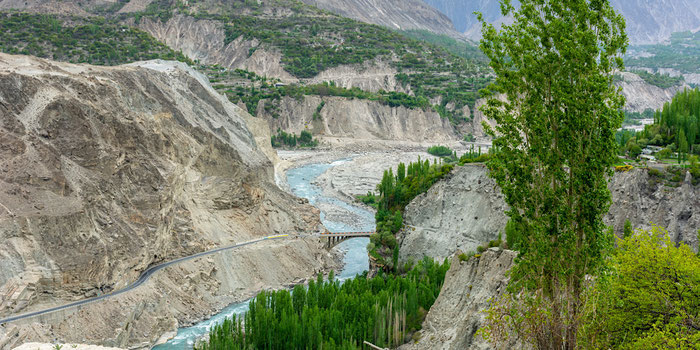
(344,217)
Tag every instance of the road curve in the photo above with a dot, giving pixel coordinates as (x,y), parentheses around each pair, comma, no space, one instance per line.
(145,275)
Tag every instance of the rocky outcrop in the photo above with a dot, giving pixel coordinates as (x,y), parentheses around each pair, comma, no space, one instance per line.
(466,210)
(459,310)
(641,96)
(395,14)
(460,212)
(108,170)
(646,201)
(204,40)
(357,119)
(371,76)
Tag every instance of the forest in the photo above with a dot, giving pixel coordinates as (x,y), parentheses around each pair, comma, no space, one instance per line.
(676,126)
(385,310)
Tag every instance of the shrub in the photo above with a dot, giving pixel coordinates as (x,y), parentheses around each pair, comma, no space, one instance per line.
(649,300)
(440,151)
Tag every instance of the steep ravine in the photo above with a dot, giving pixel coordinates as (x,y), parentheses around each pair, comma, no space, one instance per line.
(108,170)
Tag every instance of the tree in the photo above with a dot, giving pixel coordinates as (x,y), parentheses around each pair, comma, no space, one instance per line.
(555,136)
(627,230)
(649,300)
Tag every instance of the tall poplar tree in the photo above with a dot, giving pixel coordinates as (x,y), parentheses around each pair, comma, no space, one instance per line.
(557,111)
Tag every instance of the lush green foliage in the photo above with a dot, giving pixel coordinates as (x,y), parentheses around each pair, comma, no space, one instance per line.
(383,310)
(677,125)
(682,53)
(627,230)
(555,141)
(91,40)
(395,192)
(473,156)
(440,151)
(305,139)
(251,89)
(634,118)
(649,300)
(663,81)
(457,47)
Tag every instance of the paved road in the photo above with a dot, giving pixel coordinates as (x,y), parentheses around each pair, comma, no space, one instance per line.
(153,269)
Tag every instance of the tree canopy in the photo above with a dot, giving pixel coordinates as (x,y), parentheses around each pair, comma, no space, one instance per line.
(557,111)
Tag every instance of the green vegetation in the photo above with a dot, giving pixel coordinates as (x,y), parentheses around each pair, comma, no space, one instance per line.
(460,48)
(312,40)
(682,53)
(283,139)
(440,151)
(395,192)
(473,156)
(627,230)
(91,40)
(634,118)
(251,89)
(369,199)
(663,81)
(555,141)
(677,125)
(384,310)
(649,299)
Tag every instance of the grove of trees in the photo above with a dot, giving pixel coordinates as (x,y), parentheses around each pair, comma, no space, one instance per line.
(384,310)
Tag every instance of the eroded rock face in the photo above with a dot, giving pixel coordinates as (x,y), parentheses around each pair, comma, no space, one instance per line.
(458,312)
(460,212)
(645,202)
(641,96)
(466,210)
(358,119)
(108,170)
(395,14)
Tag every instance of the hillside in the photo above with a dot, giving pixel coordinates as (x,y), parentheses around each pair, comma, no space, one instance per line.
(466,210)
(109,170)
(648,21)
(394,14)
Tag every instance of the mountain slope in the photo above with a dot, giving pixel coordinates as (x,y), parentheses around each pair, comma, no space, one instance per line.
(109,170)
(648,21)
(394,14)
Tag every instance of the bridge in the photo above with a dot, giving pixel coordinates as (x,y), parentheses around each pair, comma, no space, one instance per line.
(333,239)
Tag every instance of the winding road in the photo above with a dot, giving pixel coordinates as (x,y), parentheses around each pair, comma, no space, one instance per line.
(145,275)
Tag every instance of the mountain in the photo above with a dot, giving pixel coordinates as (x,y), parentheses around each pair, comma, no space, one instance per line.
(394,14)
(110,170)
(648,21)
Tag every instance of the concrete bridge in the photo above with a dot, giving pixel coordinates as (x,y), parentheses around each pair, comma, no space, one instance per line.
(334,238)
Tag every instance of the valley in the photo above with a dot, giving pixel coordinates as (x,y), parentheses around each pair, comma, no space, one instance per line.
(168,169)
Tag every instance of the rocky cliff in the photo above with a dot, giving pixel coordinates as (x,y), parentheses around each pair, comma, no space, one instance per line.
(357,119)
(641,96)
(466,210)
(109,170)
(458,312)
(462,211)
(395,14)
